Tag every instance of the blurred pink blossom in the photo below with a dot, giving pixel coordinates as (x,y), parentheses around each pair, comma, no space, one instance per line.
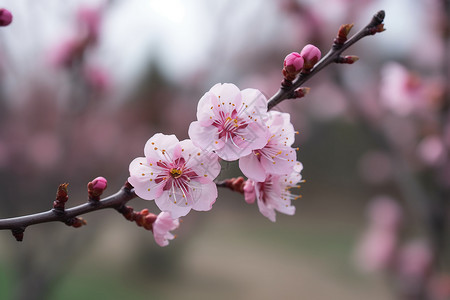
(377,247)
(98,78)
(385,213)
(431,150)
(415,259)
(376,250)
(89,19)
(404,92)
(44,150)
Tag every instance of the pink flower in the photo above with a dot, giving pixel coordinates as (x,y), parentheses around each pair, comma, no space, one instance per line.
(276,157)
(230,122)
(274,193)
(161,227)
(177,175)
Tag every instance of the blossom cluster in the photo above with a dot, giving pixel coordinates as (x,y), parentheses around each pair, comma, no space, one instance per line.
(232,124)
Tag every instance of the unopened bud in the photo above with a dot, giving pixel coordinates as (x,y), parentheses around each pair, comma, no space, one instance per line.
(96,188)
(293,64)
(301,92)
(5,17)
(76,222)
(349,59)
(311,55)
(343,33)
(61,197)
(145,219)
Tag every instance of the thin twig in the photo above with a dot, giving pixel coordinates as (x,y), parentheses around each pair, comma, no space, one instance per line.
(18,224)
(332,56)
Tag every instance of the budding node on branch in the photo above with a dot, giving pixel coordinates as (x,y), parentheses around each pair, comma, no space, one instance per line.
(301,92)
(18,234)
(343,34)
(234,184)
(349,59)
(61,198)
(75,222)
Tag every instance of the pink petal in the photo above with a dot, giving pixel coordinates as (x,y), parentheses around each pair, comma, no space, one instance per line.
(164,203)
(282,163)
(204,137)
(205,197)
(252,168)
(206,108)
(264,209)
(256,102)
(154,147)
(249,191)
(140,176)
(201,162)
(280,125)
(226,93)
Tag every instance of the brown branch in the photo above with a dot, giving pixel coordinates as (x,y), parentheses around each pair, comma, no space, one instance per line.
(340,45)
(68,216)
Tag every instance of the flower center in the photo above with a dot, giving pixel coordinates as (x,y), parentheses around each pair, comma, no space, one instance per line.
(175,173)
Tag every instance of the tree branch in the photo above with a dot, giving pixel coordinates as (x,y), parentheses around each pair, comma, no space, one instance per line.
(68,216)
(340,45)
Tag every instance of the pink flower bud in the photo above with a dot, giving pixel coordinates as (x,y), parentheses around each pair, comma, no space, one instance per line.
(96,188)
(311,55)
(293,62)
(5,17)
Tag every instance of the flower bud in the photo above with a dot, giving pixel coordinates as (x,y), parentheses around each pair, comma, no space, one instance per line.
(96,188)
(311,55)
(5,17)
(293,62)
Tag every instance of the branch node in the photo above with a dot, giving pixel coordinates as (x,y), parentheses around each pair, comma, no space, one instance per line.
(61,198)
(301,92)
(18,233)
(234,184)
(348,59)
(75,222)
(342,35)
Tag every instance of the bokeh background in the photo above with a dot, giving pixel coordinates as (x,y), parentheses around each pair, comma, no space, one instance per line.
(84,84)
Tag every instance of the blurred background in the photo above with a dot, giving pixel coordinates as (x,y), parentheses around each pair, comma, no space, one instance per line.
(84,84)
